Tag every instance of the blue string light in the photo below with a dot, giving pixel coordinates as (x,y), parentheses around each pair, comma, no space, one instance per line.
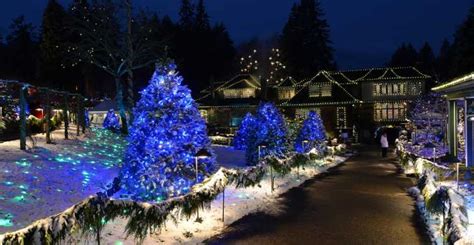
(270,131)
(111,121)
(164,137)
(311,134)
(242,135)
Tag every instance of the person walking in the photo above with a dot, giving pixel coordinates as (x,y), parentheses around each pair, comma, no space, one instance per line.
(384,144)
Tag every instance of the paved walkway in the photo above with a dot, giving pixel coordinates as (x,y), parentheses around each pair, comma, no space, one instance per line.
(363,201)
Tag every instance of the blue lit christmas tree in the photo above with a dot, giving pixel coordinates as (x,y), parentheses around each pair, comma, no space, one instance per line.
(311,134)
(166,134)
(111,121)
(246,128)
(270,133)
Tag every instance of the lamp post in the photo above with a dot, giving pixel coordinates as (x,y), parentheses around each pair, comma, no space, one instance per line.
(201,154)
(432,146)
(457,176)
(261,146)
(304,143)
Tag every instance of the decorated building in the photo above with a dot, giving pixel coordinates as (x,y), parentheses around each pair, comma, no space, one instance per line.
(355,101)
(460,93)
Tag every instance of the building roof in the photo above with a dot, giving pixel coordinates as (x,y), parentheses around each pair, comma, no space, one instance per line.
(287,82)
(457,84)
(105,105)
(340,93)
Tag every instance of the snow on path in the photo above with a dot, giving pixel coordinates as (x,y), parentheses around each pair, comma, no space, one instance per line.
(48,179)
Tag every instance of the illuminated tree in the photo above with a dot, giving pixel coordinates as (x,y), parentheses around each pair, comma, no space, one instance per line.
(164,138)
(111,121)
(312,134)
(249,64)
(277,68)
(246,128)
(270,131)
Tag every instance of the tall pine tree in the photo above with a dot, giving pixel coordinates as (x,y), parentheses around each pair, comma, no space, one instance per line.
(22,51)
(305,42)
(464,46)
(52,49)
(405,55)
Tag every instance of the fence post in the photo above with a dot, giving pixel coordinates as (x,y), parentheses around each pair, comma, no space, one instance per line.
(65,116)
(22,117)
(48,117)
(78,115)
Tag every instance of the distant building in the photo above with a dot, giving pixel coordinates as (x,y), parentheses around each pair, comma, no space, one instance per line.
(354,101)
(97,114)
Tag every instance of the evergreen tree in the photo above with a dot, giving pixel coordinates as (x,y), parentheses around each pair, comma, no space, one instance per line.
(202,18)
(444,63)
(305,42)
(166,133)
(186,15)
(312,131)
(271,131)
(111,121)
(464,46)
(426,60)
(405,55)
(22,51)
(52,50)
(247,127)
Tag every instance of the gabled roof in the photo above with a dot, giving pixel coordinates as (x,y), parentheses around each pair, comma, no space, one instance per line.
(340,93)
(287,82)
(105,105)
(387,73)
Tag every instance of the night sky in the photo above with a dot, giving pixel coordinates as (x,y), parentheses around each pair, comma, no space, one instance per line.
(365,32)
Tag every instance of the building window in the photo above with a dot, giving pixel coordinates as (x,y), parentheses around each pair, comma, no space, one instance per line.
(320,90)
(204,114)
(239,93)
(416,88)
(341,117)
(389,89)
(303,113)
(390,111)
(286,93)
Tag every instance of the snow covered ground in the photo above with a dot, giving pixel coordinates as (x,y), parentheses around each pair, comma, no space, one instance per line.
(46,180)
(238,203)
(50,178)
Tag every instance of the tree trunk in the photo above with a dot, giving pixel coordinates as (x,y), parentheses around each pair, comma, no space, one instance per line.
(22,118)
(130,94)
(120,105)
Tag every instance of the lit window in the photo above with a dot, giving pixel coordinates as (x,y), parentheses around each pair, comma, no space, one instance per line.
(286,93)
(239,93)
(390,111)
(320,90)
